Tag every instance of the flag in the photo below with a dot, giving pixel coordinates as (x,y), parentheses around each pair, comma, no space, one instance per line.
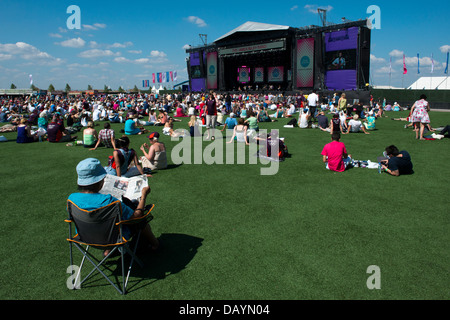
(159,77)
(446,68)
(174,76)
(432,63)
(153,78)
(405,71)
(31,79)
(167,77)
(163,77)
(390,65)
(418,64)
(171,76)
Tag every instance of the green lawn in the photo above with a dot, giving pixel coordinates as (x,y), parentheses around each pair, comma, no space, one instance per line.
(231,233)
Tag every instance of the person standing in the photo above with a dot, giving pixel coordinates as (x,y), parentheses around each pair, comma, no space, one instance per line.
(211,115)
(419,116)
(313,100)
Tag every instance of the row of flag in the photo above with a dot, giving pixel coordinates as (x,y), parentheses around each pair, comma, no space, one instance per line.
(405,70)
(161,77)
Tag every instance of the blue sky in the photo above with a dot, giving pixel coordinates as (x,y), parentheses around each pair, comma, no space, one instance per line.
(123,43)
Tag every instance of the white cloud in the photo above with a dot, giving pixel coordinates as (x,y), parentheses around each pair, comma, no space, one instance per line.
(445,49)
(396,53)
(95,26)
(121,45)
(93,44)
(136,61)
(294,8)
(28,52)
(376,60)
(55,35)
(157,54)
(121,60)
(73,43)
(313,8)
(5,56)
(96,53)
(196,20)
(135,51)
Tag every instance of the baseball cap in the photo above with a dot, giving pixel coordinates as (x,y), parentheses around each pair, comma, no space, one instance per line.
(153,135)
(90,171)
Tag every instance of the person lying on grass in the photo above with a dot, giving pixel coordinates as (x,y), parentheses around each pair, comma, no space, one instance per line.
(399,162)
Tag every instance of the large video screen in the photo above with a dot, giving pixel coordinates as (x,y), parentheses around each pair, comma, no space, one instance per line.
(341,59)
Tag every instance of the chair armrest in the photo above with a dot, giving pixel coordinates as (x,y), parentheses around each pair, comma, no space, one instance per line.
(146,217)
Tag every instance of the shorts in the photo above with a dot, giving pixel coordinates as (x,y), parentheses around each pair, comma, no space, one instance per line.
(210,121)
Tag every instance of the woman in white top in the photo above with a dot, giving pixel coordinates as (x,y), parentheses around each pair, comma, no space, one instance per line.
(240,132)
(303,120)
(156,157)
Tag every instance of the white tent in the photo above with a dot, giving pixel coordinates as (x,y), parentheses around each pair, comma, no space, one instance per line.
(431,83)
(252,27)
(154,89)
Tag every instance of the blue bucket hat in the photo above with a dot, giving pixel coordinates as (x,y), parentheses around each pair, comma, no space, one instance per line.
(90,172)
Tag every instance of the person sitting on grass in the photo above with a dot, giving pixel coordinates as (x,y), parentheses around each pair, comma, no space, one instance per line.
(322,121)
(240,133)
(356,125)
(24,133)
(57,133)
(131,128)
(335,154)
(121,160)
(91,177)
(398,162)
(106,137)
(230,123)
(90,135)
(156,157)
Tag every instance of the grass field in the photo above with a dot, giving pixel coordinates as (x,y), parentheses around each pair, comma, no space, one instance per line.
(231,233)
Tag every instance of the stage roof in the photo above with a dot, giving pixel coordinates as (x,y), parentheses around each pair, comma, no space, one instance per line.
(254,27)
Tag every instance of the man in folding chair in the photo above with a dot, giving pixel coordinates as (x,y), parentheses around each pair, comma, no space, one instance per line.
(91,175)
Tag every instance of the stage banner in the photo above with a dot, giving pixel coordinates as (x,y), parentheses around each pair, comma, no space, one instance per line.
(305,63)
(211,77)
(244,75)
(259,74)
(276,74)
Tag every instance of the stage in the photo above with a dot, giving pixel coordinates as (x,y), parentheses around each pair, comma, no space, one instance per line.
(260,58)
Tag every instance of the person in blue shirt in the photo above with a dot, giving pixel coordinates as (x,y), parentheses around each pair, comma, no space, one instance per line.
(230,123)
(131,128)
(91,176)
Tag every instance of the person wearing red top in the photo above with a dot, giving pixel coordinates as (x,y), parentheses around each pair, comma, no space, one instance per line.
(335,154)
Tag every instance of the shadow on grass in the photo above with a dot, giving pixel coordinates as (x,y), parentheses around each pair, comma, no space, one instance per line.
(176,252)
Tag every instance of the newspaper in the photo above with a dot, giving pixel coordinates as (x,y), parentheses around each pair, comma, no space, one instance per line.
(130,188)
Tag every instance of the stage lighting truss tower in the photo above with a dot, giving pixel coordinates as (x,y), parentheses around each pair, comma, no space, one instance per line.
(323,16)
(204,38)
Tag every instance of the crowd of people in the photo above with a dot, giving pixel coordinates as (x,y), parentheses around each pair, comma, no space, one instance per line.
(64,119)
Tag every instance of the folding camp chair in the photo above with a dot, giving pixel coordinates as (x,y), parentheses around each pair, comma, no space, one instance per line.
(102,229)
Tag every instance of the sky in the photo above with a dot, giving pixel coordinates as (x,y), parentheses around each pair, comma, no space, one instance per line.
(122,43)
